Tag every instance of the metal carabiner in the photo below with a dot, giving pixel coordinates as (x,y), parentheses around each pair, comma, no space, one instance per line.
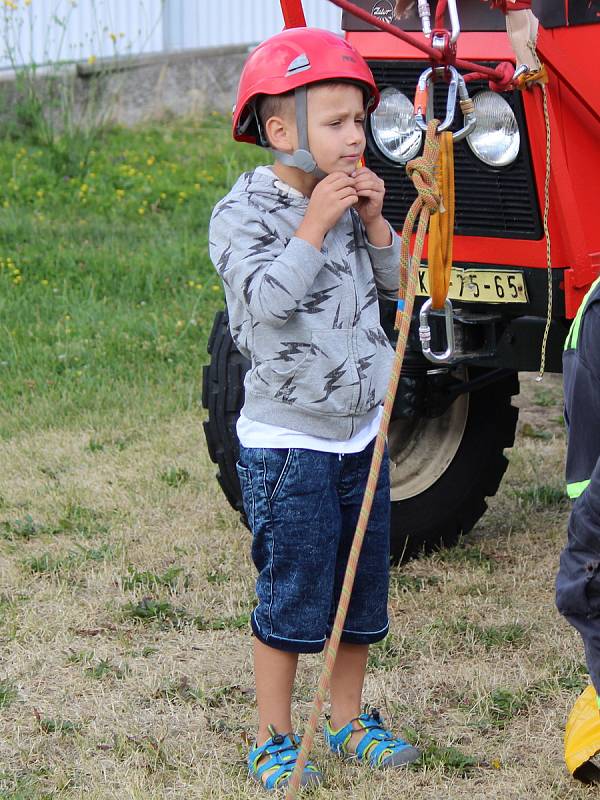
(425,333)
(424,103)
(454,21)
(469,118)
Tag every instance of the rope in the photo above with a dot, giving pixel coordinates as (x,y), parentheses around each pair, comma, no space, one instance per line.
(441,228)
(423,173)
(540,70)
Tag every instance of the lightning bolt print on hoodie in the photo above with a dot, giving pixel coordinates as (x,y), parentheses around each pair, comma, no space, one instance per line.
(306,319)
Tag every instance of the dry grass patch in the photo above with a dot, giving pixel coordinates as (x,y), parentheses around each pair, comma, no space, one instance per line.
(125,589)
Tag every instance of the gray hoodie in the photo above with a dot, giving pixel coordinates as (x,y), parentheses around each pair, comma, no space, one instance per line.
(307,320)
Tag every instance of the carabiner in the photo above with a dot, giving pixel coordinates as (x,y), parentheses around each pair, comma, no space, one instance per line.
(454,21)
(425,333)
(424,102)
(469,118)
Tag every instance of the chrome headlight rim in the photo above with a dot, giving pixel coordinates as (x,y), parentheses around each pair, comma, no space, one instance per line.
(377,134)
(513,148)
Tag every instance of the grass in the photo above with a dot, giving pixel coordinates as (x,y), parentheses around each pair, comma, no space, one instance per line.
(106,289)
(125,578)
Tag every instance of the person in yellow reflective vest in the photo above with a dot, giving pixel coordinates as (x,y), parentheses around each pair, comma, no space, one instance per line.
(578,579)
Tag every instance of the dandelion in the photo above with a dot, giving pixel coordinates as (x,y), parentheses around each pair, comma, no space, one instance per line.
(91,59)
(190,284)
(44,281)
(197,187)
(141,211)
(150,161)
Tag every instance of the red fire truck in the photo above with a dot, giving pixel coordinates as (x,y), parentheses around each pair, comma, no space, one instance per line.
(512,295)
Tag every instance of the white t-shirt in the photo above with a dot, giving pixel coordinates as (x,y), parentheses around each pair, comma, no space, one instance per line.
(260,434)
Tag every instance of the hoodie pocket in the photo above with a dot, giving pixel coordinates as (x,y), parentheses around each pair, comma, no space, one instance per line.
(374,362)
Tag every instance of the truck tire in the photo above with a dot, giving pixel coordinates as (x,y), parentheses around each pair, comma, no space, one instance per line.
(441,469)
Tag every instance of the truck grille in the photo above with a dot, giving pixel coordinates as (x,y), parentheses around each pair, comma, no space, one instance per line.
(500,203)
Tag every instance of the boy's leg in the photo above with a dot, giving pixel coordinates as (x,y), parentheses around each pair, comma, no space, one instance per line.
(274,673)
(346,686)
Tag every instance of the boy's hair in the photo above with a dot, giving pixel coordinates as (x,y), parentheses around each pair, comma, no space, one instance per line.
(274,105)
(281,105)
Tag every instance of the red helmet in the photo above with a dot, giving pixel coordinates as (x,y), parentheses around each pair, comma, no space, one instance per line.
(290,59)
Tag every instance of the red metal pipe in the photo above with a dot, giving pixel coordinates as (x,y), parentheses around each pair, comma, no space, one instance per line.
(293,14)
(435,55)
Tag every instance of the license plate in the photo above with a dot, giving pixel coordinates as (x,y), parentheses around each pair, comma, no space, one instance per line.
(480,286)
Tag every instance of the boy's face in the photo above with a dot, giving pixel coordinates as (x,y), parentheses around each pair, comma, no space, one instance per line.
(336,133)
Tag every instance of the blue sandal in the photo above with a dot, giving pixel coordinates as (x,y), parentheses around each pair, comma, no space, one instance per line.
(378,747)
(280,753)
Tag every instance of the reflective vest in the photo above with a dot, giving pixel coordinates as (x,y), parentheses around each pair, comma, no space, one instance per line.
(582,400)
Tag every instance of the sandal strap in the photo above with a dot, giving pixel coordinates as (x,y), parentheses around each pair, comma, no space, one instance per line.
(283,750)
(375,746)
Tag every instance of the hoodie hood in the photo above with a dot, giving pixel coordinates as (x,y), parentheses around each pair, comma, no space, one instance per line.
(261,186)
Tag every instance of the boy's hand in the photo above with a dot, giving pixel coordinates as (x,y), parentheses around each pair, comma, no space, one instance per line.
(330,198)
(371,191)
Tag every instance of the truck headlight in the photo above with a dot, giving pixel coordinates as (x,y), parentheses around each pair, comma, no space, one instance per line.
(394,128)
(496,138)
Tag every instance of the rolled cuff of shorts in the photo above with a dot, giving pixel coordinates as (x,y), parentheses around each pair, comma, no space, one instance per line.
(288,645)
(370,637)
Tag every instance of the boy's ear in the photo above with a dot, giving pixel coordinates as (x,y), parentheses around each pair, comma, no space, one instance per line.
(280,134)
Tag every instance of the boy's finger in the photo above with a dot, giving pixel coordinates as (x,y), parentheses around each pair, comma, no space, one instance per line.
(368,193)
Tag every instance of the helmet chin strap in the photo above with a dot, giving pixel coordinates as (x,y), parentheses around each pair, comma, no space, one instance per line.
(301,158)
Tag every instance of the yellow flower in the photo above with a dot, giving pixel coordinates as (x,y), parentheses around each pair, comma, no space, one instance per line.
(150,161)
(113,36)
(91,60)
(141,211)
(44,282)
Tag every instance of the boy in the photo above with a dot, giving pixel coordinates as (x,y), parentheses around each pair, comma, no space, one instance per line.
(303,250)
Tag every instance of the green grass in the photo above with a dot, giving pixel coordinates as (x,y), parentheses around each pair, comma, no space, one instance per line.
(107,292)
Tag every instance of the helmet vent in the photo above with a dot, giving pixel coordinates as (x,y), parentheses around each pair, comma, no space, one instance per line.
(299,64)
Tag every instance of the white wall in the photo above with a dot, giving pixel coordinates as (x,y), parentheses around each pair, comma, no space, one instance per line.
(206,23)
(42,31)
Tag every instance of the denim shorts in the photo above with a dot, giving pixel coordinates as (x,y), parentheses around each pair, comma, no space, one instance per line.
(302,507)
